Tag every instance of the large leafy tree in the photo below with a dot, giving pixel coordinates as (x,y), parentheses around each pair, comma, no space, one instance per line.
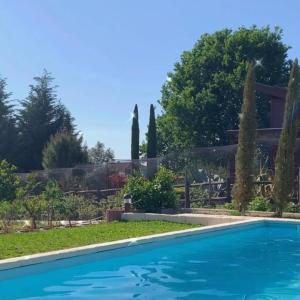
(64,150)
(284,162)
(41,116)
(202,97)
(8,132)
(243,188)
(99,154)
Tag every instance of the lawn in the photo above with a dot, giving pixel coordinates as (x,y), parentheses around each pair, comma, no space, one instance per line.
(18,244)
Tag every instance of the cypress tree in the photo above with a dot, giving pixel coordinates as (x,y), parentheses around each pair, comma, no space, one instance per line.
(135,135)
(243,188)
(151,145)
(284,162)
(152,139)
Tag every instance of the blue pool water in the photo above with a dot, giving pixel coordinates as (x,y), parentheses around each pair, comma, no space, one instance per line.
(260,261)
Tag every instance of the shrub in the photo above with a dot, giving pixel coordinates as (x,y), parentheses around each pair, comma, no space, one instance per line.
(52,196)
(230,206)
(260,204)
(9,182)
(33,206)
(8,213)
(152,195)
(76,207)
(293,207)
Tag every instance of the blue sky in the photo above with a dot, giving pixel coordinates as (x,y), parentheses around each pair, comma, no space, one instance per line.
(108,55)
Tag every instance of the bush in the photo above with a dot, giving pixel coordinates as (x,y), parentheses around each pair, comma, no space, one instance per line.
(260,204)
(8,213)
(152,195)
(9,182)
(230,206)
(292,207)
(76,207)
(33,206)
(52,196)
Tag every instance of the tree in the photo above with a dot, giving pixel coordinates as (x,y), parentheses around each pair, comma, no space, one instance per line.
(135,134)
(64,150)
(41,116)
(151,145)
(100,155)
(284,162)
(244,166)
(9,181)
(151,136)
(202,97)
(52,196)
(8,132)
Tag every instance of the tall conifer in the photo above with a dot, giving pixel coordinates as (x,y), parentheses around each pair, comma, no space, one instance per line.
(135,135)
(152,138)
(243,188)
(284,163)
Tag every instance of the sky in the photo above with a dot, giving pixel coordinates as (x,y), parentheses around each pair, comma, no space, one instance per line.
(108,55)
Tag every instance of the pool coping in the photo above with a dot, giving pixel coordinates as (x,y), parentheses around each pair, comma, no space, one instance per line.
(22,261)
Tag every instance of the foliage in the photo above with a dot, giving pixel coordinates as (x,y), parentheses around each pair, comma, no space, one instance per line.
(100,155)
(229,205)
(64,150)
(151,136)
(202,97)
(292,207)
(31,187)
(41,116)
(52,196)
(152,195)
(151,145)
(135,134)
(260,204)
(117,180)
(8,213)
(8,132)
(12,245)
(9,182)
(243,187)
(284,162)
(76,207)
(33,207)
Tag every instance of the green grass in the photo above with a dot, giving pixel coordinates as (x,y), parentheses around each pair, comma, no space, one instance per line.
(18,244)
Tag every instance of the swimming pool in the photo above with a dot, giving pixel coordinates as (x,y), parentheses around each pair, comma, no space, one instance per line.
(254,261)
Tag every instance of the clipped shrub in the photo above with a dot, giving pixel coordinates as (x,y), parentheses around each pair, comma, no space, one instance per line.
(260,204)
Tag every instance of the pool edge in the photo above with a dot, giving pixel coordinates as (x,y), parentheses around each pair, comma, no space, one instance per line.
(27,260)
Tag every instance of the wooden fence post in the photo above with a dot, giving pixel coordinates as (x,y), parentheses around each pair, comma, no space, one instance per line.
(228,189)
(187,191)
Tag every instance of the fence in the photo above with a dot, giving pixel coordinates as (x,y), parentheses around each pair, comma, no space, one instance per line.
(203,175)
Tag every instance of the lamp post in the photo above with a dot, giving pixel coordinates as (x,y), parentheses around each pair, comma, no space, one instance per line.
(127,203)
